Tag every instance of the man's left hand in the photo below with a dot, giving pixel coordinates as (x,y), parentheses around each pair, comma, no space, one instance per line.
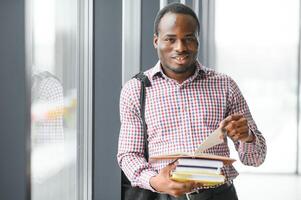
(236,127)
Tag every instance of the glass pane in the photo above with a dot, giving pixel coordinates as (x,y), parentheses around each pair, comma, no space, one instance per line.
(257,44)
(53,27)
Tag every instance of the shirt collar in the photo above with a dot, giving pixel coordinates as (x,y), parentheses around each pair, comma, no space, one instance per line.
(157,70)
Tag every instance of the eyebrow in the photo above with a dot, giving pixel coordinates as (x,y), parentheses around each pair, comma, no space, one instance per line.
(173,35)
(191,34)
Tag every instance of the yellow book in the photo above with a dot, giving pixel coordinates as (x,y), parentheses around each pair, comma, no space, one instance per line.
(206,179)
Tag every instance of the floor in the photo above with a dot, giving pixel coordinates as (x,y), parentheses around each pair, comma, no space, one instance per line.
(265,187)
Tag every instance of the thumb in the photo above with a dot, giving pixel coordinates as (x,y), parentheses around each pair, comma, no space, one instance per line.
(170,167)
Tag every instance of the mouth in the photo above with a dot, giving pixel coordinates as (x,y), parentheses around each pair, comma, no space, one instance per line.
(181,59)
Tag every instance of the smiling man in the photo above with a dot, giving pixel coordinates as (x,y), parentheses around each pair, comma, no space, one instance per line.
(185,103)
(176,42)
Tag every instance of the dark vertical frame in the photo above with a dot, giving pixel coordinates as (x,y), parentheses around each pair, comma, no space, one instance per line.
(148,53)
(206,15)
(14,111)
(107,85)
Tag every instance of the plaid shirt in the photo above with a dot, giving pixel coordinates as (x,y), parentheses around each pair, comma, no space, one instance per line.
(47,89)
(179,118)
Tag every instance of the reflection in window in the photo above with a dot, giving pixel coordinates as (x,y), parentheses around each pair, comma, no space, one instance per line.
(54,64)
(257,44)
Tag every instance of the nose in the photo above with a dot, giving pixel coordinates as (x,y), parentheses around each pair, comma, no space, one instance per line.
(180,46)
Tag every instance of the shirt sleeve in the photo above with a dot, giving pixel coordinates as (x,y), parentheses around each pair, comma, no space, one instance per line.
(130,154)
(252,154)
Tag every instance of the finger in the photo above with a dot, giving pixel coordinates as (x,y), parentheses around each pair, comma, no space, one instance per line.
(243,130)
(235,136)
(231,126)
(230,118)
(182,187)
(237,131)
(225,121)
(237,116)
(168,169)
(175,189)
(198,185)
(234,125)
(241,122)
(245,136)
(231,133)
(189,187)
(174,162)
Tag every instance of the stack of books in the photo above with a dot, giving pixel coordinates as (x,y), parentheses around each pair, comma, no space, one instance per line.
(204,171)
(199,166)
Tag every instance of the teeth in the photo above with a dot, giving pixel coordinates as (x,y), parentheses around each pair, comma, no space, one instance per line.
(180,57)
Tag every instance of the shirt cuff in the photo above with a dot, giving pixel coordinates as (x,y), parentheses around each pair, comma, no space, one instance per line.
(145,178)
(251,146)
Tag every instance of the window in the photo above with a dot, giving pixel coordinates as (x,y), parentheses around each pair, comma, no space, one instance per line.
(257,44)
(59,58)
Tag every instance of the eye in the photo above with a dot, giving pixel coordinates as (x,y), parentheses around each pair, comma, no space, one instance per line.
(189,39)
(171,40)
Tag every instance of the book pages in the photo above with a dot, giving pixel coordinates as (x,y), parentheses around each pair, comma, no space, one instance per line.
(215,138)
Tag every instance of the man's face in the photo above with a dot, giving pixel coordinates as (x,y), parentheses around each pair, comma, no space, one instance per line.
(177,43)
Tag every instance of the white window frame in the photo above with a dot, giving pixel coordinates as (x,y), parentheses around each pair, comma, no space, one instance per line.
(85,99)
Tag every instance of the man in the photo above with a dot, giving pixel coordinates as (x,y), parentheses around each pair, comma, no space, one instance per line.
(185,103)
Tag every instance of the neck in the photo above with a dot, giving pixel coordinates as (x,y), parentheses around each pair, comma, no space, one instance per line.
(179,77)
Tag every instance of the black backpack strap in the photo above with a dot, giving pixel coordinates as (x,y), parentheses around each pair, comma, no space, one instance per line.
(144,83)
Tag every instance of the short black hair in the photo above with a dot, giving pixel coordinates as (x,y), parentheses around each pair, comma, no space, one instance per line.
(175,8)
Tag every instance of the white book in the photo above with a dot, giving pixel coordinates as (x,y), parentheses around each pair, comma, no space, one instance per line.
(200,162)
(197,170)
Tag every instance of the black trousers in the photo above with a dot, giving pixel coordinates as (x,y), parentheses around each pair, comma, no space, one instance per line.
(224,192)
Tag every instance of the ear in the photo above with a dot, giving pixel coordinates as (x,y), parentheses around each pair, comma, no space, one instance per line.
(155,41)
(198,41)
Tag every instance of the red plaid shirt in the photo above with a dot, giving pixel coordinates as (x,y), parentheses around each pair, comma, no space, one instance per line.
(179,118)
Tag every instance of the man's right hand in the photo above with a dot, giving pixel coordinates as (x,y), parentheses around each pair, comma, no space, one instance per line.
(162,183)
